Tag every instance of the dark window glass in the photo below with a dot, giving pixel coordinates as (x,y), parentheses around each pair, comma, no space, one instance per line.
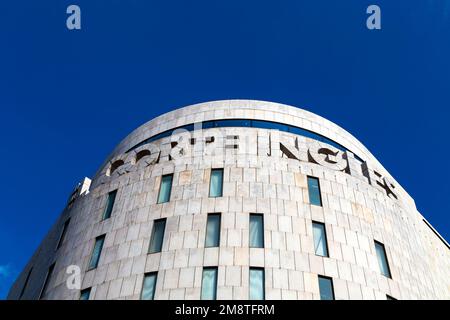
(216,183)
(212,230)
(320,239)
(326,288)
(314,191)
(149,286)
(85,294)
(382,259)
(25,283)
(109,204)
(256,285)
(96,252)
(209,283)
(256,231)
(165,188)
(156,240)
(63,234)
(388,297)
(48,277)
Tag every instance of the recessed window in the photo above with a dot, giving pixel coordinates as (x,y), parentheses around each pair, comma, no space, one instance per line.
(156,240)
(63,234)
(96,252)
(320,239)
(85,294)
(212,230)
(314,191)
(256,230)
(209,283)
(48,277)
(382,259)
(142,154)
(149,286)
(109,204)
(326,288)
(165,188)
(117,164)
(216,183)
(27,279)
(256,285)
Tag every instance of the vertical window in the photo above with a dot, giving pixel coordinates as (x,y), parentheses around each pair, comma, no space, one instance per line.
(85,294)
(156,240)
(63,234)
(326,288)
(382,259)
(165,188)
(256,285)
(149,286)
(256,229)
(320,239)
(212,230)
(47,281)
(109,204)
(25,283)
(209,283)
(216,183)
(96,252)
(314,191)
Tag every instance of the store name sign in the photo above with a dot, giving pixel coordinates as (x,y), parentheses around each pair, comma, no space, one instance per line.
(212,146)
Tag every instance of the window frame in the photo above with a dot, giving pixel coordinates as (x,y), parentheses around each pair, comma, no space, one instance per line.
(327,254)
(378,243)
(149,274)
(262,230)
(63,233)
(152,236)
(47,280)
(263,282)
(331,285)
(210,180)
(319,190)
(219,215)
(111,194)
(98,238)
(216,270)
(88,290)
(158,201)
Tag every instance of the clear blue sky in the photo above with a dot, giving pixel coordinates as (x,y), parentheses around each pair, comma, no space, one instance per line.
(67,98)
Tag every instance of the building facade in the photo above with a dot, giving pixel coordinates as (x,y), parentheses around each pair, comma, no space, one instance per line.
(239,199)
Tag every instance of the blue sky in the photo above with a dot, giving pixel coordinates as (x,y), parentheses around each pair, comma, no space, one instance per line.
(68,97)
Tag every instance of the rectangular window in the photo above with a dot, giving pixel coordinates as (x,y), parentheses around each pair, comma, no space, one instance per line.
(149,286)
(109,204)
(320,239)
(382,259)
(256,285)
(216,183)
(212,230)
(48,277)
(165,188)
(96,252)
(63,234)
(256,229)
(326,288)
(26,283)
(85,294)
(209,283)
(314,191)
(156,240)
